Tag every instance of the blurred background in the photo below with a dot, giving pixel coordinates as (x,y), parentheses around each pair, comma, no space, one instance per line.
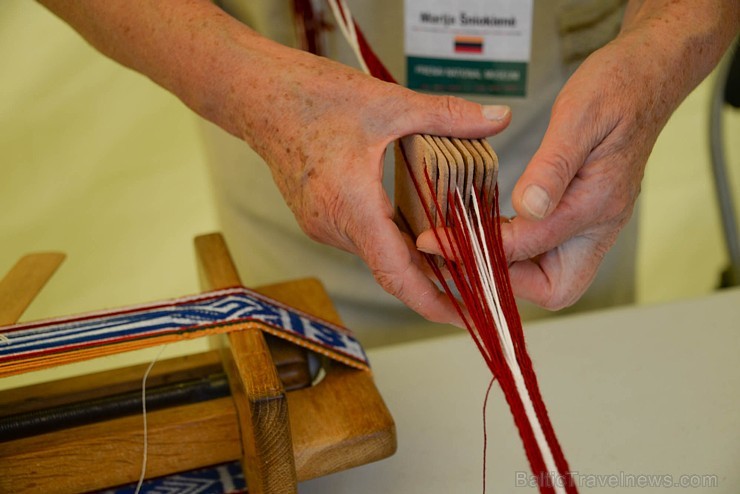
(100,163)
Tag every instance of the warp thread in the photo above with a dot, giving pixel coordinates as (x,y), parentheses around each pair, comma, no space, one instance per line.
(475,258)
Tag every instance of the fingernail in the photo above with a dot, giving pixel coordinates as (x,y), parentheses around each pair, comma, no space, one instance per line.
(536,201)
(496,112)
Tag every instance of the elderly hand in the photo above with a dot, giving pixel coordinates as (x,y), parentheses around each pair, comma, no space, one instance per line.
(579,189)
(323,130)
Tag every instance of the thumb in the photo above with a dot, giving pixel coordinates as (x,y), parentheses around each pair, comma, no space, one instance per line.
(559,158)
(454,117)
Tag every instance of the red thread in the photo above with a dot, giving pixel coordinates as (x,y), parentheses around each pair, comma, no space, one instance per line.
(308,27)
(459,252)
(374,65)
(485,431)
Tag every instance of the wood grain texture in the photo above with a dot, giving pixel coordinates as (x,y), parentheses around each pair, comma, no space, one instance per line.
(262,407)
(216,270)
(109,453)
(338,423)
(342,421)
(291,362)
(107,383)
(24,281)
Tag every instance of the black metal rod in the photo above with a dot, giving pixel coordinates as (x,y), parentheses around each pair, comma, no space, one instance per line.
(109,407)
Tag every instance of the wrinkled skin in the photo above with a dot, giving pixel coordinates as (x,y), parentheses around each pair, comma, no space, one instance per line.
(326,157)
(590,165)
(580,187)
(322,128)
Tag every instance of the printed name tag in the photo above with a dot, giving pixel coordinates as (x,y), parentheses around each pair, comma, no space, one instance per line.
(468,46)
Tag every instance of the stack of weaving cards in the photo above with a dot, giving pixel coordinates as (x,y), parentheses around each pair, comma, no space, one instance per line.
(428,171)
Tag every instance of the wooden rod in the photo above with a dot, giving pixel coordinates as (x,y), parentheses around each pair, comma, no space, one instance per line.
(360,430)
(262,407)
(24,282)
(93,457)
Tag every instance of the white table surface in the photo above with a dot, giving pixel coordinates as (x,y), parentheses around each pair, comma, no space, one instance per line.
(640,394)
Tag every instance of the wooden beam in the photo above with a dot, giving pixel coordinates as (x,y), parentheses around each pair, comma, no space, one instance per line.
(110,453)
(267,446)
(338,423)
(342,421)
(107,383)
(24,282)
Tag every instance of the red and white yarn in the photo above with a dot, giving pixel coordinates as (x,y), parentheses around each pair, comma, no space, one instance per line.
(475,259)
(347,25)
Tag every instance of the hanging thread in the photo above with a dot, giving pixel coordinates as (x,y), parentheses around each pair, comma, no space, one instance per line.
(475,259)
(485,430)
(474,256)
(145,454)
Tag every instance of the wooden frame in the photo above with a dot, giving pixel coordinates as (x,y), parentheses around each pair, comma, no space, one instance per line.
(280,437)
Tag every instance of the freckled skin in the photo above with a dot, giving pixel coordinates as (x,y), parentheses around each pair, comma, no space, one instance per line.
(322,128)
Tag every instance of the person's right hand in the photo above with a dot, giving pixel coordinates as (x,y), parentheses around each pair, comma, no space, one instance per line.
(323,129)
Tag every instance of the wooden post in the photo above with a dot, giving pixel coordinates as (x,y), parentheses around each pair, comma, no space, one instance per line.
(261,403)
(337,423)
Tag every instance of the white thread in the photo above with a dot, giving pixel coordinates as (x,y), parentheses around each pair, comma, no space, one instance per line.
(484,268)
(143,409)
(340,20)
(483,264)
(227,481)
(4,339)
(347,25)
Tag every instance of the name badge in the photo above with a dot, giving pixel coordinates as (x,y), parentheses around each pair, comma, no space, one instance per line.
(468,46)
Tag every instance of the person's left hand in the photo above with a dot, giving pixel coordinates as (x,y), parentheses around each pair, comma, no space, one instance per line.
(580,187)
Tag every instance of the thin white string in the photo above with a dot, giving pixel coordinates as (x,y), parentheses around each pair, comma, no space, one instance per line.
(346,24)
(4,339)
(340,19)
(492,300)
(143,409)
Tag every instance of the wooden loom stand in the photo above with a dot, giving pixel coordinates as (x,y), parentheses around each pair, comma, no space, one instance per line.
(281,438)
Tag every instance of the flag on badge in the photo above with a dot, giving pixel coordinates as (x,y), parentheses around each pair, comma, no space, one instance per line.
(468,44)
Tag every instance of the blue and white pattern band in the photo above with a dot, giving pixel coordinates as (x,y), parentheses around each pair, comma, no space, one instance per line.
(187,317)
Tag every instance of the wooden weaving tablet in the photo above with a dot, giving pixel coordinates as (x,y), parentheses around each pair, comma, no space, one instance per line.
(263,410)
(428,171)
